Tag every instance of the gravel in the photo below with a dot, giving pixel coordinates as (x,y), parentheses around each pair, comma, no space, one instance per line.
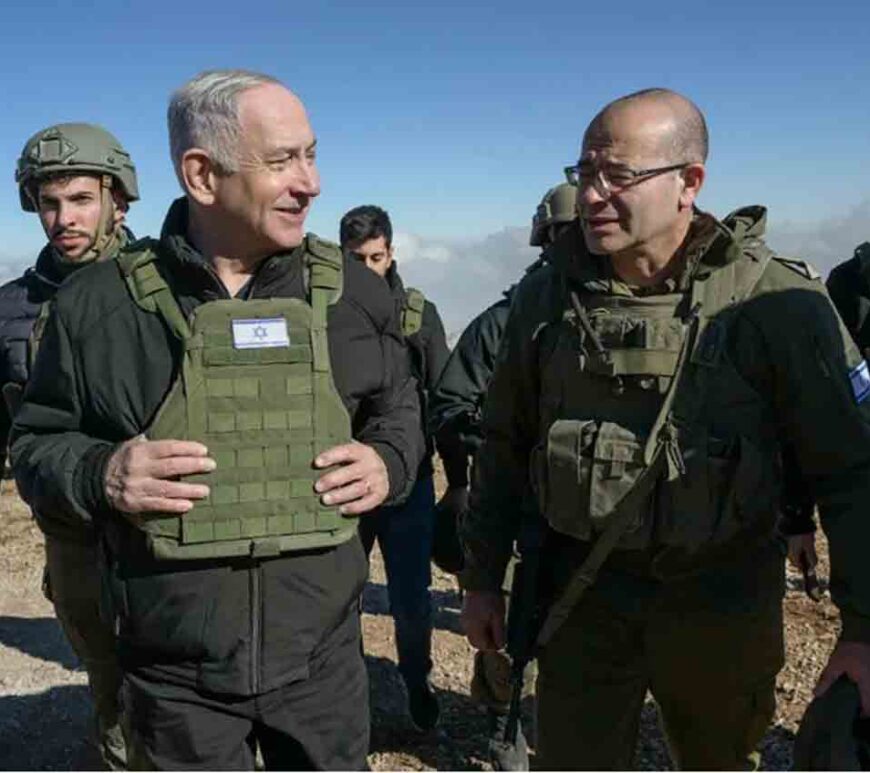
(45,716)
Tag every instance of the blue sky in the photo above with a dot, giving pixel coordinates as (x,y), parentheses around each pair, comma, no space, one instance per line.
(457,116)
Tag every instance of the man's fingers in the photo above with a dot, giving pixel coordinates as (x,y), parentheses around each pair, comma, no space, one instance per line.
(344,454)
(172,466)
(343,476)
(168,489)
(364,504)
(161,449)
(357,489)
(170,506)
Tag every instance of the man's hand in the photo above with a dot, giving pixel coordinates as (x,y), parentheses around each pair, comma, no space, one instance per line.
(360,483)
(455,500)
(139,476)
(851,658)
(802,546)
(483,619)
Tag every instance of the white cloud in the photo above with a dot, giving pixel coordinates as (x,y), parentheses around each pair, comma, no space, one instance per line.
(462,278)
(824,243)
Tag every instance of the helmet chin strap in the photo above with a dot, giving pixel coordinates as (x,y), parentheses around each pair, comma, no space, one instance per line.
(106,237)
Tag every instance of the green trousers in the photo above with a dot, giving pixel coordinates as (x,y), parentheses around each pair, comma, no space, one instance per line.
(72,584)
(708,648)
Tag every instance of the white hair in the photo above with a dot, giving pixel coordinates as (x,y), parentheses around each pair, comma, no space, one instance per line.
(203,113)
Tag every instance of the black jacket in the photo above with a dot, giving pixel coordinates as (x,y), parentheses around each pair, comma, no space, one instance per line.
(428,354)
(456,403)
(238,627)
(849,287)
(20,304)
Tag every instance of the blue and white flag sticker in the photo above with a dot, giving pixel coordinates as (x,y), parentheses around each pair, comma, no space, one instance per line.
(859,377)
(267,333)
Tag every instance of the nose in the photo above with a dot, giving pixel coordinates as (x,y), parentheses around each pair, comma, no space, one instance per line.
(589,193)
(65,214)
(307,181)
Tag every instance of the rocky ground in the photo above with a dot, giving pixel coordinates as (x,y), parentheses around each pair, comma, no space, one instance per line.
(44,714)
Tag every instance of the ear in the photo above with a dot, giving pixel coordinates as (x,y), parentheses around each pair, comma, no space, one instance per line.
(693,177)
(198,176)
(120,209)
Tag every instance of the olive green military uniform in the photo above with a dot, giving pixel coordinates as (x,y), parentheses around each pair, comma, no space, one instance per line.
(662,412)
(72,551)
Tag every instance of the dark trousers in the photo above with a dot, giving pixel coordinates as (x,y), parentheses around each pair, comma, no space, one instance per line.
(708,649)
(319,723)
(72,584)
(404,534)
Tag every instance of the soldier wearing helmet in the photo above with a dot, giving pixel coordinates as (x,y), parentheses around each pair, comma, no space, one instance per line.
(457,405)
(80,181)
(557,209)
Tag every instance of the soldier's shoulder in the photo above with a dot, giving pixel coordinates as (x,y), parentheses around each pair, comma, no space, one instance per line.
(853,268)
(324,249)
(785,271)
(15,288)
(364,290)
(91,293)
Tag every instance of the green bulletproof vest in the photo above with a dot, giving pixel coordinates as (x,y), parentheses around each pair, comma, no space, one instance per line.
(255,386)
(638,397)
(412,311)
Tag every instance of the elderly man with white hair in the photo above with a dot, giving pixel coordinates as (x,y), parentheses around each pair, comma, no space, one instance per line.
(221,404)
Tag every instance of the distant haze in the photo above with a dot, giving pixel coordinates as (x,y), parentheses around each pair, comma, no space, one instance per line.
(463,277)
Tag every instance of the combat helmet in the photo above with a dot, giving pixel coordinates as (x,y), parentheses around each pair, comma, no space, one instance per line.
(833,735)
(559,205)
(73,148)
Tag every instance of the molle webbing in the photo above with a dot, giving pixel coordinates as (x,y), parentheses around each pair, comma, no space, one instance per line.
(712,302)
(264,409)
(412,311)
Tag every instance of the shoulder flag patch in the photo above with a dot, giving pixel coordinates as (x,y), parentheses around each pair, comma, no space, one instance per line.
(859,377)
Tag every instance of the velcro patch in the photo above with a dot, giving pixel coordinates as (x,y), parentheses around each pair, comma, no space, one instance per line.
(260,333)
(806,270)
(859,377)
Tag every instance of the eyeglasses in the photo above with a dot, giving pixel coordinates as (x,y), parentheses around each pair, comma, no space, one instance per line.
(614,179)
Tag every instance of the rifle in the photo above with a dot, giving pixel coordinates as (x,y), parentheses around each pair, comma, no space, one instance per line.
(523,616)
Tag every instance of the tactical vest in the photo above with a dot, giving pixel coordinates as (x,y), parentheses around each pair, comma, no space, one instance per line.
(639,398)
(255,387)
(412,311)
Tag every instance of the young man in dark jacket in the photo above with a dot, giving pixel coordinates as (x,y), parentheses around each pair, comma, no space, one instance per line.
(222,403)
(455,416)
(80,181)
(405,532)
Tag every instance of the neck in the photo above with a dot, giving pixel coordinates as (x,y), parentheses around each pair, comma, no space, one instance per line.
(231,265)
(653,262)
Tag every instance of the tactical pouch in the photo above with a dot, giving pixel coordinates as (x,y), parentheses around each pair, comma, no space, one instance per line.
(584,472)
(728,487)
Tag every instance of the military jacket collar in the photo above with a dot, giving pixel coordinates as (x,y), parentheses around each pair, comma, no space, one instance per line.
(710,244)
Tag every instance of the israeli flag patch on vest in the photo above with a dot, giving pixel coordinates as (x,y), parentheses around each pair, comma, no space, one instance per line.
(859,377)
(260,333)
